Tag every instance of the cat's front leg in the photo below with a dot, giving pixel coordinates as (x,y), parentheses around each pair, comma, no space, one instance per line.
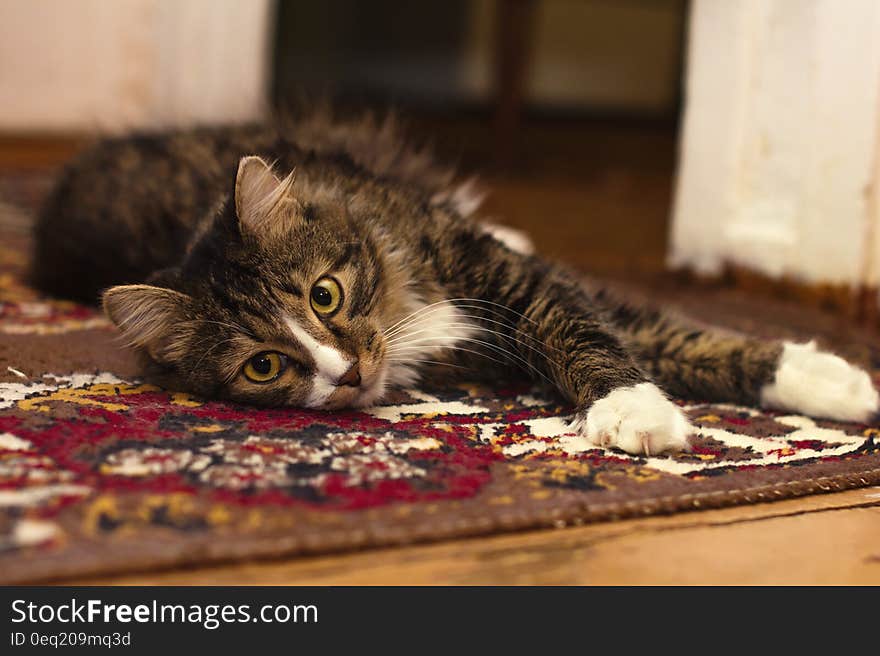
(618,405)
(556,328)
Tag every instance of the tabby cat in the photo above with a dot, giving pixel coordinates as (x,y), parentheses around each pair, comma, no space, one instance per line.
(318,263)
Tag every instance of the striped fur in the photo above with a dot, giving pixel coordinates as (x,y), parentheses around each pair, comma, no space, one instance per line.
(198,225)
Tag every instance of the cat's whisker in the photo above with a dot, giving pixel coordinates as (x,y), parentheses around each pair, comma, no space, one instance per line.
(445,364)
(416,318)
(509,324)
(233,326)
(532,348)
(486,330)
(483,328)
(391,329)
(206,353)
(526,344)
(463,350)
(483,354)
(436,307)
(494,347)
(209,338)
(494,304)
(457,303)
(420,316)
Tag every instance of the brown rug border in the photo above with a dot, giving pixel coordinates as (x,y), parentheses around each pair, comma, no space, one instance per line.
(211,551)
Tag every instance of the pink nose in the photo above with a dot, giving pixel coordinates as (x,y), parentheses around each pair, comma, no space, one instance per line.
(352,377)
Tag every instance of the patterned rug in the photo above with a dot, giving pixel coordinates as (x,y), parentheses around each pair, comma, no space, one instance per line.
(101,472)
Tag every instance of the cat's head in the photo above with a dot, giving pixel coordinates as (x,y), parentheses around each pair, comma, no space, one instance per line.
(283,299)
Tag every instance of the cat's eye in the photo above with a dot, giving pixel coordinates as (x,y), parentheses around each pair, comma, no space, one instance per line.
(326,296)
(265,367)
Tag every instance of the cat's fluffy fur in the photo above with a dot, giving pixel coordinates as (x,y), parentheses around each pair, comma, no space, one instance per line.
(215,238)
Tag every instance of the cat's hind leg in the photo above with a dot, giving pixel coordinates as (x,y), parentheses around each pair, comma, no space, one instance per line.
(716,365)
(820,384)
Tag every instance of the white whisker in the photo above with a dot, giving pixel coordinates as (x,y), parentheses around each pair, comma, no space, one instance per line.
(233,326)
(416,321)
(445,364)
(205,354)
(406,340)
(464,350)
(456,303)
(494,347)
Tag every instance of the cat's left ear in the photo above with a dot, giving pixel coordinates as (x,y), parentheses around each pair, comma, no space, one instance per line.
(149,317)
(264,203)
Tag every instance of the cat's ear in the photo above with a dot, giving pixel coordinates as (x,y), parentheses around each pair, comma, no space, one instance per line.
(149,317)
(263,202)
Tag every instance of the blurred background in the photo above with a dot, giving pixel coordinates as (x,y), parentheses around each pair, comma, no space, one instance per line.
(729,141)
(568,108)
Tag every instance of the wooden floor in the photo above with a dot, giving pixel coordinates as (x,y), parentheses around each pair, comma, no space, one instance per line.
(597,196)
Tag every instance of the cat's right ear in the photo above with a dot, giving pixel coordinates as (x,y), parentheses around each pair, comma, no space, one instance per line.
(260,196)
(149,317)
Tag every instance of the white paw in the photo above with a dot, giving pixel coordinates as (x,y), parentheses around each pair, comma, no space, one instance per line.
(820,384)
(637,419)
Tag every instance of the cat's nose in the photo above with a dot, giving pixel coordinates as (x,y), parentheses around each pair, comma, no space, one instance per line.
(352,377)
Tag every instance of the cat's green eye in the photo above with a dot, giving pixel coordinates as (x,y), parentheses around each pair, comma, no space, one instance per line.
(326,296)
(265,367)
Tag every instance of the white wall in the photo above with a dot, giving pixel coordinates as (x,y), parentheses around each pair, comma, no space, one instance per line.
(778,158)
(118,64)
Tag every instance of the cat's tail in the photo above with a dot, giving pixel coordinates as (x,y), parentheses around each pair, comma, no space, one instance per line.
(700,363)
